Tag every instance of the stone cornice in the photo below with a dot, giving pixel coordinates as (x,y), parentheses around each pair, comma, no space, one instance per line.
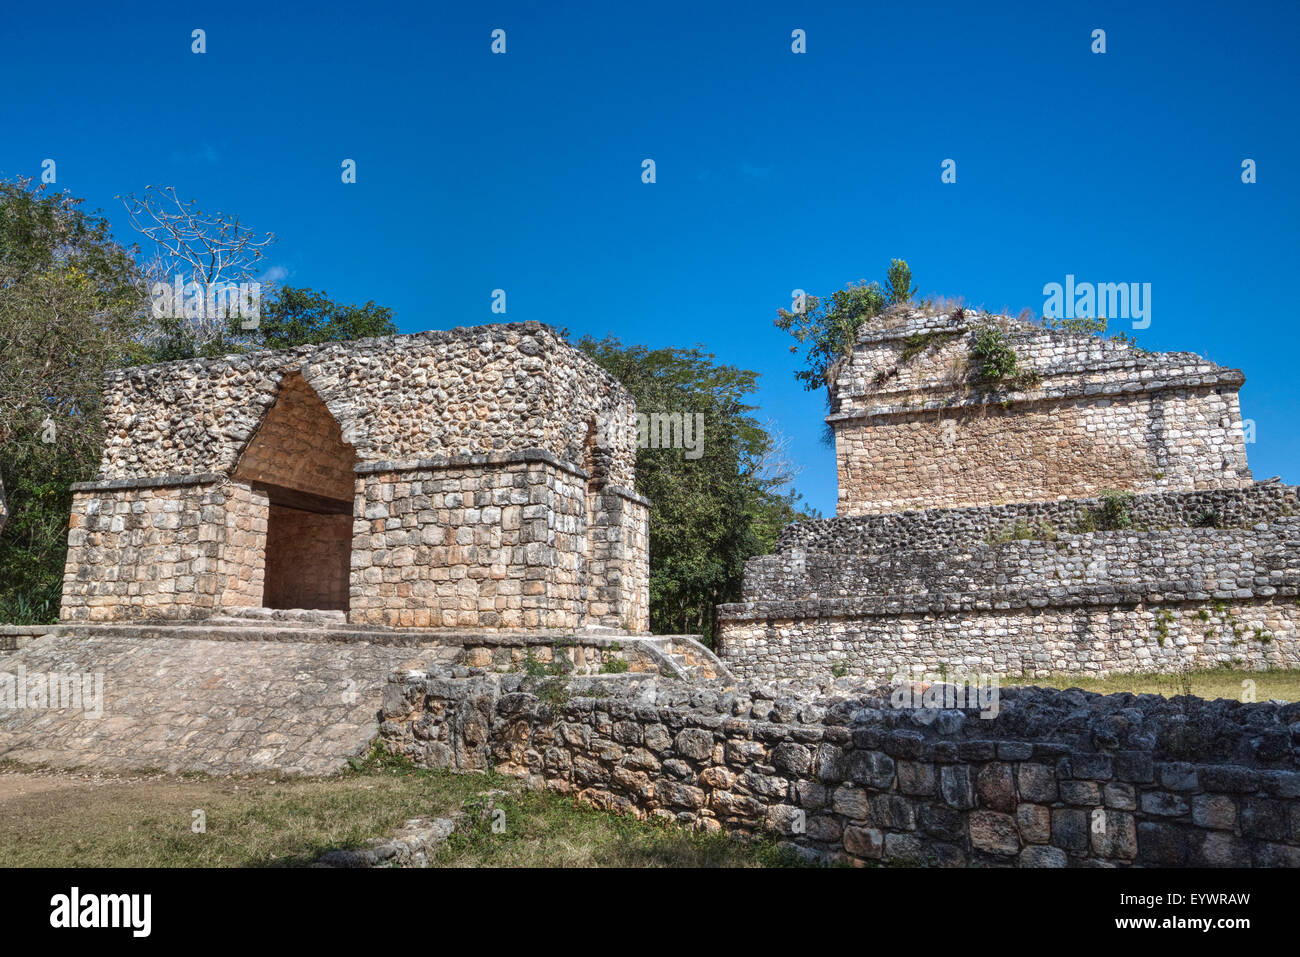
(942,398)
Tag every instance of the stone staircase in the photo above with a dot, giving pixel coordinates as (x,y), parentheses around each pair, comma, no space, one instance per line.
(688,656)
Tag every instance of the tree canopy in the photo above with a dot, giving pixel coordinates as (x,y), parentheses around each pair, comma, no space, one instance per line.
(710,513)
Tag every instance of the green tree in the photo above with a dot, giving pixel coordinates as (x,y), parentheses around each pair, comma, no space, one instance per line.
(898,283)
(295,317)
(70,308)
(707,514)
(828,327)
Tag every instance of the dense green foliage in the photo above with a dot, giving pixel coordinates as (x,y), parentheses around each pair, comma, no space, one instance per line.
(994,357)
(707,514)
(295,317)
(827,327)
(69,310)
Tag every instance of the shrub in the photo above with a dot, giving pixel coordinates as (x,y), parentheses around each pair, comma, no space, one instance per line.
(1116,510)
(995,357)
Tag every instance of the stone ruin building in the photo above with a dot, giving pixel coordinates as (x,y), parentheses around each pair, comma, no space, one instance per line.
(479,478)
(455,496)
(1094,513)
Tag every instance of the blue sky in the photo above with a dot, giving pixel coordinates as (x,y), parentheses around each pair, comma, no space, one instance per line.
(775,171)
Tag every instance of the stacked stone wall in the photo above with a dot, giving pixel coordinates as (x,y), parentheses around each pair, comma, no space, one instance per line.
(947,528)
(1050,779)
(491,418)
(241,570)
(618,595)
(915,428)
(1095,603)
(469,546)
(141,553)
(471,390)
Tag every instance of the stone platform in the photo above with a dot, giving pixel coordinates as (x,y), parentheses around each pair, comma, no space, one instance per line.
(196,704)
(285,693)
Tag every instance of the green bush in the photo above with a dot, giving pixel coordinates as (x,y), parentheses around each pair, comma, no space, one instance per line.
(995,359)
(1116,510)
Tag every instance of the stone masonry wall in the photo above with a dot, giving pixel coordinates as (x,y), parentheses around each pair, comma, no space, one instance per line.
(1054,779)
(1096,603)
(1082,639)
(470,390)
(477,431)
(618,595)
(469,546)
(137,553)
(1086,414)
(946,528)
(241,570)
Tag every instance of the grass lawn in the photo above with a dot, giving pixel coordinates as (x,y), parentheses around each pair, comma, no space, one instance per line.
(67,819)
(1280,683)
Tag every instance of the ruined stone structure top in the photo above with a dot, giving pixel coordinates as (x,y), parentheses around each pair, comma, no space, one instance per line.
(480,477)
(914,429)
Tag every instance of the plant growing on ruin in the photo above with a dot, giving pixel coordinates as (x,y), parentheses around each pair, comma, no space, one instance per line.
(827,328)
(1163,618)
(1116,511)
(898,283)
(1209,518)
(994,357)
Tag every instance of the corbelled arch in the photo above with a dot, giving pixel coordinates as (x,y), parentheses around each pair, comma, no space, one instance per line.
(299,465)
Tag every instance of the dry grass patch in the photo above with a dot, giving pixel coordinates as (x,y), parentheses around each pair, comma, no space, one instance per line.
(72,819)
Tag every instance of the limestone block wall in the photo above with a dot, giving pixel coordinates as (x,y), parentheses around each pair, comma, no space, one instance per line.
(451,455)
(914,430)
(618,593)
(1049,779)
(817,640)
(141,552)
(1095,603)
(241,568)
(469,546)
(471,390)
(941,529)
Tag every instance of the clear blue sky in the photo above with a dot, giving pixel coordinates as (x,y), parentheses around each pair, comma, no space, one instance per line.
(775,170)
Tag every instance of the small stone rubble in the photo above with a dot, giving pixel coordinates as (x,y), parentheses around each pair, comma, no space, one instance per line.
(411,846)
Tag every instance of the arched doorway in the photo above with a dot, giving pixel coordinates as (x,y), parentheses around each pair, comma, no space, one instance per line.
(299,461)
